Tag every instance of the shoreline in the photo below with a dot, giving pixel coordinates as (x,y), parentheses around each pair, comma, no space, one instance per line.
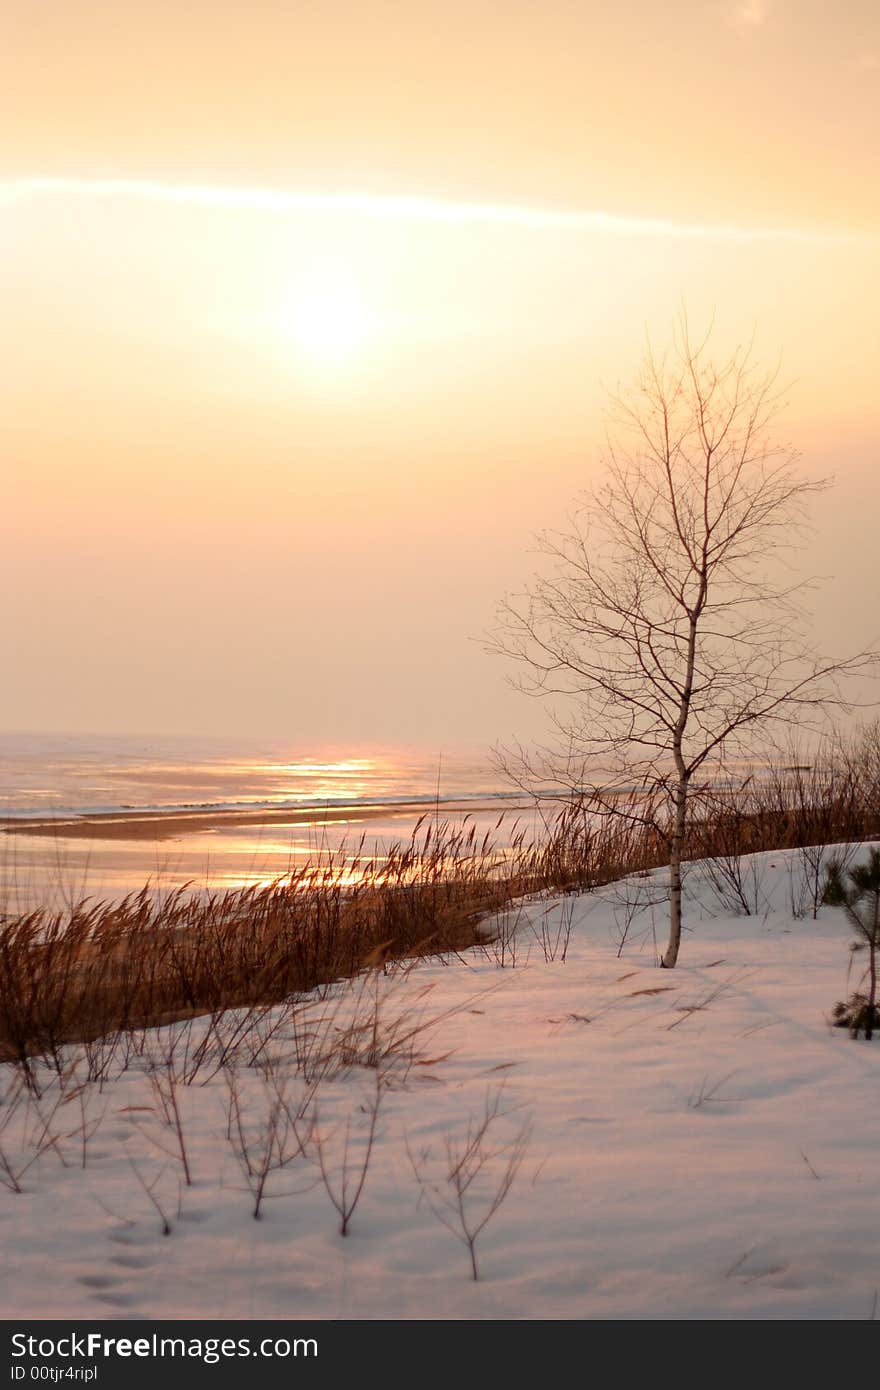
(139,825)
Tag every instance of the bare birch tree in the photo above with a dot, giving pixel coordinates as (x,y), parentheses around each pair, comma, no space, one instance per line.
(667,616)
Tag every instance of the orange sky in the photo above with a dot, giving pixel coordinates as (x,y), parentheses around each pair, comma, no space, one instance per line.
(272,452)
(720,109)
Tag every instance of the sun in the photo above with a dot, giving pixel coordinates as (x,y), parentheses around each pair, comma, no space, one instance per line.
(327,317)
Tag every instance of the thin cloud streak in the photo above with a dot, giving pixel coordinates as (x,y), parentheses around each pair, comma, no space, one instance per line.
(413,209)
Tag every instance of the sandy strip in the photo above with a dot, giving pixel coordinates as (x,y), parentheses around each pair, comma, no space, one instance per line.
(171,825)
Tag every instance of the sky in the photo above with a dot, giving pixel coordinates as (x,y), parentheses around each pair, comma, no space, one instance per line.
(311,311)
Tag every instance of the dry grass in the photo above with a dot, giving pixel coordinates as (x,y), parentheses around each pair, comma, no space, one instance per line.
(96,970)
(99,973)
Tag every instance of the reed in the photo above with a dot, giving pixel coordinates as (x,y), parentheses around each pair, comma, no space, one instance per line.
(98,973)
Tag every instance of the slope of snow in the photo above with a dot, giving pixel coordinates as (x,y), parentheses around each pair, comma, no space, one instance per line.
(697,1143)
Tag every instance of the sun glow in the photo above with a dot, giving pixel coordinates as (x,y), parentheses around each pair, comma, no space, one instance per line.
(327,317)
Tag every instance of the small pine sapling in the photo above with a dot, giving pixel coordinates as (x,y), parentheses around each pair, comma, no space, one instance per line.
(858,893)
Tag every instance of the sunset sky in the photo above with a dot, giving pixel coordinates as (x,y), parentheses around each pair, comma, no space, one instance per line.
(310,311)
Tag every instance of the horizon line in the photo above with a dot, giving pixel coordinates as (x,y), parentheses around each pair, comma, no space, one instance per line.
(410,208)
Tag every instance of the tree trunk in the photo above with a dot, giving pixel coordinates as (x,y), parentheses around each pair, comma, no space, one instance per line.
(675,852)
(676,847)
(872,969)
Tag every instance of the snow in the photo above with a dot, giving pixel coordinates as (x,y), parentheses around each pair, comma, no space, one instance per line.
(698,1143)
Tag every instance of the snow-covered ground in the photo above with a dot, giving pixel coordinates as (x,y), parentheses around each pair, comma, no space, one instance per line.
(696,1143)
